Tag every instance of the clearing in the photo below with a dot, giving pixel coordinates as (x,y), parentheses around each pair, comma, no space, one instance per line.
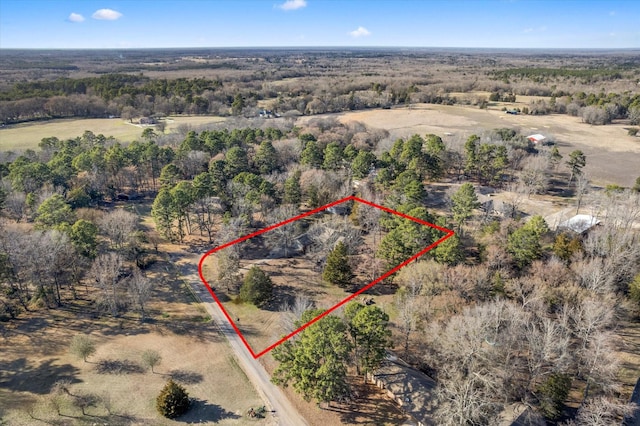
(28,135)
(613,157)
(34,356)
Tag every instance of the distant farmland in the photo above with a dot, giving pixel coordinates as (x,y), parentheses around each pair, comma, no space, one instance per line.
(28,135)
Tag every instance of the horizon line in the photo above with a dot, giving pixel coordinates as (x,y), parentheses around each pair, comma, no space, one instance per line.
(321,47)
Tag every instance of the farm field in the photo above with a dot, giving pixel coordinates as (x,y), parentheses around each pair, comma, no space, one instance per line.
(28,135)
(612,156)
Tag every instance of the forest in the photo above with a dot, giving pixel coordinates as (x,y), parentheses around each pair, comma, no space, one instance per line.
(223,82)
(512,309)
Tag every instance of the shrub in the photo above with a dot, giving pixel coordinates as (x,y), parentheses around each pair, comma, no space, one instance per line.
(82,346)
(173,400)
(257,287)
(553,392)
(151,358)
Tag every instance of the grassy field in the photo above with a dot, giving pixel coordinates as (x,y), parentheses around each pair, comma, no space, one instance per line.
(34,356)
(612,155)
(28,135)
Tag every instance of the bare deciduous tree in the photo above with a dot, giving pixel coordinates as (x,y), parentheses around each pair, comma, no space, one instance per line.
(106,273)
(139,291)
(282,238)
(151,358)
(118,225)
(294,312)
(601,411)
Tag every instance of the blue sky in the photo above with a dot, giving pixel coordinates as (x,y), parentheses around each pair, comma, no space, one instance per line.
(263,23)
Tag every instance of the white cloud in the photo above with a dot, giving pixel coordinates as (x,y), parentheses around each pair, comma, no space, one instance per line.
(537,30)
(360,32)
(106,15)
(293,4)
(75,17)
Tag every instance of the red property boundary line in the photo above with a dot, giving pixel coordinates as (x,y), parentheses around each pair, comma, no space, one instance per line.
(448,234)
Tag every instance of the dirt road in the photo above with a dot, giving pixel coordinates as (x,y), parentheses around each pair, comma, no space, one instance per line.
(283,412)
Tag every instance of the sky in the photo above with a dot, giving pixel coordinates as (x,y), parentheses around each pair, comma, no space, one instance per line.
(319,23)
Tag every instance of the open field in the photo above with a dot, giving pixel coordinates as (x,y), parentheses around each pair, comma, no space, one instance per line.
(612,155)
(34,356)
(28,135)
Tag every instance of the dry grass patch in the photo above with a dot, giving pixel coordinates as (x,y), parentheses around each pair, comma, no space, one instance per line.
(28,135)
(612,155)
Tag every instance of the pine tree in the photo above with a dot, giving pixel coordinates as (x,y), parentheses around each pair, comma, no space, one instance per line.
(338,271)
(257,287)
(173,400)
(292,191)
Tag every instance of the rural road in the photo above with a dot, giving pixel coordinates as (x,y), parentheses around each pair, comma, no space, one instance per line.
(283,411)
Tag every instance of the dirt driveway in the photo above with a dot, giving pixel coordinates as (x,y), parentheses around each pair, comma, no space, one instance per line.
(283,412)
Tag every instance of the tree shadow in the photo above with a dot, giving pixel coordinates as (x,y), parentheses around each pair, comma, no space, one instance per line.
(367,405)
(186,377)
(203,412)
(116,366)
(20,375)
(283,294)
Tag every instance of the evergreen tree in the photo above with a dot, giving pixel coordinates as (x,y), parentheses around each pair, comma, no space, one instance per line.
(257,287)
(54,211)
(524,243)
(332,157)
(449,251)
(316,362)
(368,327)
(173,400)
(362,164)
(292,190)
(576,162)
(311,155)
(83,235)
(163,212)
(552,394)
(464,201)
(266,158)
(338,271)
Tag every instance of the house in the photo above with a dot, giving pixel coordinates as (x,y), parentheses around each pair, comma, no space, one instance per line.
(537,138)
(148,120)
(265,113)
(411,389)
(580,223)
(340,210)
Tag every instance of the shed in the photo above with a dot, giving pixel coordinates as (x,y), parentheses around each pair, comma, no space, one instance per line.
(579,223)
(537,138)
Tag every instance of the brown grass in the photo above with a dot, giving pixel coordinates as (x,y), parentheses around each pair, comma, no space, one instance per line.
(612,155)
(34,355)
(28,135)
